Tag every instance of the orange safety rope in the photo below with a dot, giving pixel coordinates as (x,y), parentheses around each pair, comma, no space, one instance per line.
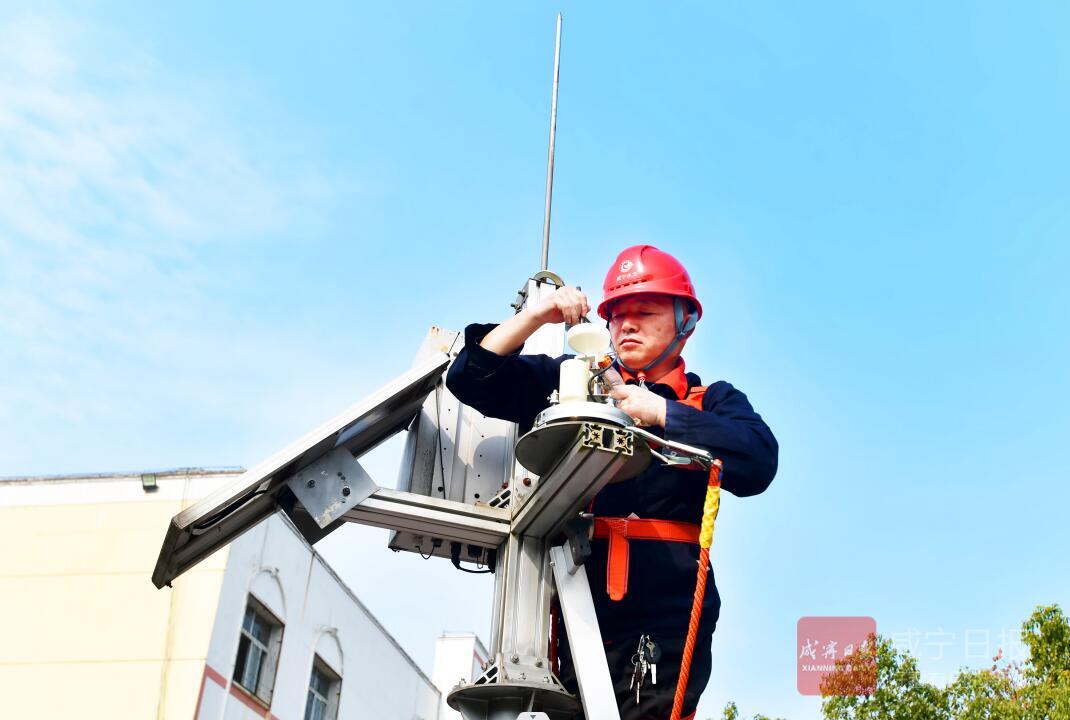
(705,540)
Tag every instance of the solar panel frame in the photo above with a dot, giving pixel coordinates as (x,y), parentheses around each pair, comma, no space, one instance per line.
(211,523)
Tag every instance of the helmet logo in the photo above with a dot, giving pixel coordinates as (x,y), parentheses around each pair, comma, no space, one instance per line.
(626,266)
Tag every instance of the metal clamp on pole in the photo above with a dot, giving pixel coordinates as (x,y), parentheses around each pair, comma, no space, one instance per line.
(543,276)
(578,533)
(675,453)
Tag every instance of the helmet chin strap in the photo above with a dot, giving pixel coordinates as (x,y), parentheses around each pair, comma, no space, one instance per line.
(682,329)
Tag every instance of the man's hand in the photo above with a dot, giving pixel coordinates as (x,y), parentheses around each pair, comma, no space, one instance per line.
(566,304)
(644,406)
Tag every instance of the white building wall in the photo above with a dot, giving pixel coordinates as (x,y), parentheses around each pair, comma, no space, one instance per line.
(458,657)
(77,602)
(379,680)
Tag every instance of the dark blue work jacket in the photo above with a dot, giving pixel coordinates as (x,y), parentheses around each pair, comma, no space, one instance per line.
(661,574)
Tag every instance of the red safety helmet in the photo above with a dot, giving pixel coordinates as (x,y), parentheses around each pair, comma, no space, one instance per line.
(645,269)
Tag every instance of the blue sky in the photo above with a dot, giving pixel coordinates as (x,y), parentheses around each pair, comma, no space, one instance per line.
(221,225)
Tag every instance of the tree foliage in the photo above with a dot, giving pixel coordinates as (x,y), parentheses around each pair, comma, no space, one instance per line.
(731,712)
(1038,689)
(879,683)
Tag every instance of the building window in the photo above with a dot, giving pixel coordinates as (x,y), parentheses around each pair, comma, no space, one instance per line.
(258,651)
(324,689)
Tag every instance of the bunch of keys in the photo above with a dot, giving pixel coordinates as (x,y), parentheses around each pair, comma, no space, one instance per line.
(645,659)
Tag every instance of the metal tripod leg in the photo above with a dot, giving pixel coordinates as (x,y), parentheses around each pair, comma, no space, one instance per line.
(584,637)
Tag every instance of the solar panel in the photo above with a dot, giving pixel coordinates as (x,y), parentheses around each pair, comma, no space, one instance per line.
(218,519)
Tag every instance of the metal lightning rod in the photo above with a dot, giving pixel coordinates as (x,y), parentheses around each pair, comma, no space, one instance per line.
(550,158)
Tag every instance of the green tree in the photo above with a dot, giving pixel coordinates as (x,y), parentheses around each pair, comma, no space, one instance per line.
(731,712)
(1047,694)
(879,683)
(1047,635)
(1039,689)
(990,694)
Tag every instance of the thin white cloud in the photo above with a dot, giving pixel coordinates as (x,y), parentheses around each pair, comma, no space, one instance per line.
(117,180)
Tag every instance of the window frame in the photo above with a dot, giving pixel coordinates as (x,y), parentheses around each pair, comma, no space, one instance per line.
(334,688)
(270,651)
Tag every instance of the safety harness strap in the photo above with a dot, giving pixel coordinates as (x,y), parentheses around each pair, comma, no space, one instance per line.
(694,397)
(620,530)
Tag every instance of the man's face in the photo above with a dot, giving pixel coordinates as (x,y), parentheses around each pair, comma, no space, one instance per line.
(642,326)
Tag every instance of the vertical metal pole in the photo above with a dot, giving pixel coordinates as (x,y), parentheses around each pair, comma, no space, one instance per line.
(550,158)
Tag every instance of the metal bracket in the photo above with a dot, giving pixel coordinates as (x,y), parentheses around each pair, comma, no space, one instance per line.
(332,486)
(508,686)
(540,277)
(671,458)
(675,453)
(502,499)
(578,532)
(604,437)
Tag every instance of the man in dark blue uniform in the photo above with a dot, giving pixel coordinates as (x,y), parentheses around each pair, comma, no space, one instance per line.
(646,529)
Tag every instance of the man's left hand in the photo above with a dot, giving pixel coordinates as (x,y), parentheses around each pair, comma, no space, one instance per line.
(644,406)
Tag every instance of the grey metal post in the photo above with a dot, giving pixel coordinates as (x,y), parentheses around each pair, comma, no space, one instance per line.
(519,641)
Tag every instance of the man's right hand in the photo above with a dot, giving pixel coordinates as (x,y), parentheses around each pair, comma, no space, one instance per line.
(566,304)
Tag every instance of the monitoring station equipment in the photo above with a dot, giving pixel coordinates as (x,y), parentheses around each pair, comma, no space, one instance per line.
(469,490)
